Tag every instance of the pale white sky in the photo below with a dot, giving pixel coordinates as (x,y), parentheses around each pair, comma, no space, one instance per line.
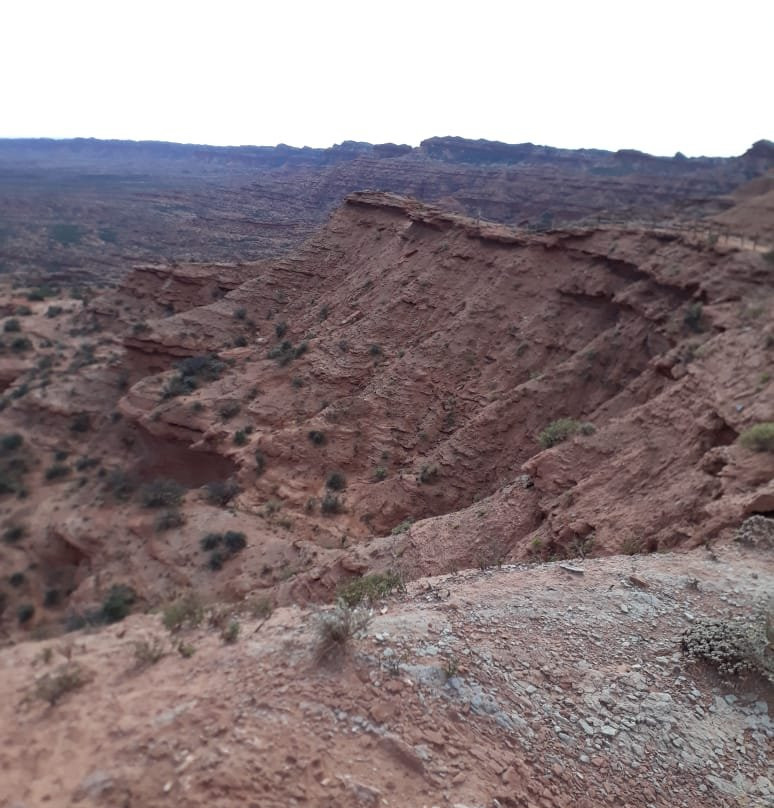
(689,75)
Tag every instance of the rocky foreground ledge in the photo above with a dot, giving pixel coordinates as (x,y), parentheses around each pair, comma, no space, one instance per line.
(530,685)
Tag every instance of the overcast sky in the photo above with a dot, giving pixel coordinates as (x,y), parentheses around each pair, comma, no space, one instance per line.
(656,76)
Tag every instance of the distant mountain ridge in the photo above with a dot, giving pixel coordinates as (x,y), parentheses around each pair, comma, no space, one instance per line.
(123,202)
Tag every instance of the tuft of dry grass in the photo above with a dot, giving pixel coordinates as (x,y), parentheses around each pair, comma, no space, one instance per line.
(51,687)
(335,629)
(148,652)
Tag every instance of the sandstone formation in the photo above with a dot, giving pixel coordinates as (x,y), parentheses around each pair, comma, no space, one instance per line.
(416,356)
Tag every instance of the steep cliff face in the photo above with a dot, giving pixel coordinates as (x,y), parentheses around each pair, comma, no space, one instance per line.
(81,211)
(379,399)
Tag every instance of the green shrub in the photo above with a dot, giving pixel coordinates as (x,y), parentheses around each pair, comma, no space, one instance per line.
(13,534)
(11,326)
(161,493)
(216,560)
(10,443)
(317,437)
(117,603)
(240,437)
(210,541)
(41,293)
(402,527)
(221,492)
(280,329)
(693,318)
(336,481)
(57,471)
(20,345)
(230,633)
(759,438)
(121,484)
(380,473)
(17,579)
(186,611)
(191,372)
(260,462)
(375,350)
(240,313)
(371,588)
(51,598)
(330,504)
(561,429)
(85,463)
(229,410)
(53,311)
(24,613)
(428,473)
(234,541)
(169,520)
(81,422)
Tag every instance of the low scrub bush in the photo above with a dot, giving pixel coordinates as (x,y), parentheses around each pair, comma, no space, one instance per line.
(222,547)
(759,438)
(693,318)
(57,471)
(10,443)
(330,504)
(120,484)
(402,527)
(168,520)
(371,588)
(185,612)
(13,533)
(161,493)
(230,633)
(734,647)
(51,687)
(148,652)
(428,473)
(191,372)
(229,410)
(221,492)
(117,603)
(562,429)
(336,481)
(81,422)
